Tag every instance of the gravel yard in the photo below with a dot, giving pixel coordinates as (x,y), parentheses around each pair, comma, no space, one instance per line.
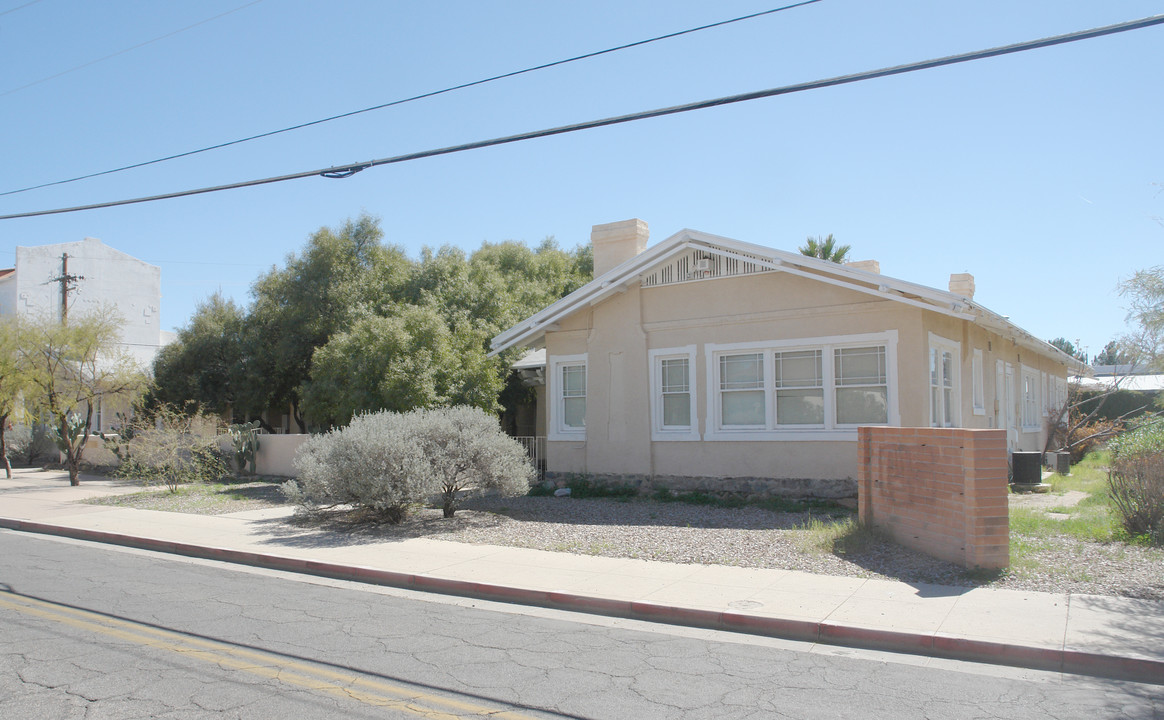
(707,534)
(753,537)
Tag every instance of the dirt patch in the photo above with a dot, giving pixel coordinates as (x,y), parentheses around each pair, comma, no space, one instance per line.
(1041,501)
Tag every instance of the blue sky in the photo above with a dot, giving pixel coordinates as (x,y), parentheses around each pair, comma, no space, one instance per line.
(1040,173)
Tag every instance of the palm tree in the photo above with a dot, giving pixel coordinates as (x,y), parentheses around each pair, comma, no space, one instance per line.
(825,249)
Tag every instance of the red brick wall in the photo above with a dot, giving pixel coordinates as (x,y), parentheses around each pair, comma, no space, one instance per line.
(942,491)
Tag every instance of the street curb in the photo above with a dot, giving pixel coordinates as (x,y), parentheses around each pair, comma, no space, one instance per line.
(928,644)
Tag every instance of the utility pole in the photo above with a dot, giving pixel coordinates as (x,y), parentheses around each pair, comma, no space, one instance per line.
(67,286)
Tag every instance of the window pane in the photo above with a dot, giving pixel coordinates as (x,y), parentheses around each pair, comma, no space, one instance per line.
(948,398)
(947,369)
(677,410)
(800,407)
(862,406)
(860,366)
(575,412)
(798,369)
(675,375)
(574,381)
(741,371)
(742,408)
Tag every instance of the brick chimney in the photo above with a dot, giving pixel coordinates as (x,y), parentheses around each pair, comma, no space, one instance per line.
(615,243)
(867,265)
(962,284)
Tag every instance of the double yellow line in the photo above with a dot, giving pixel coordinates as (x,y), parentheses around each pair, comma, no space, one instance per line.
(348,685)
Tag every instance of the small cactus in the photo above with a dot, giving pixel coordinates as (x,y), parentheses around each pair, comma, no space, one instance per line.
(245,439)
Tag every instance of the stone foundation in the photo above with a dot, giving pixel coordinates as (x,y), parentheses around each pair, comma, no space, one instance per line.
(749,488)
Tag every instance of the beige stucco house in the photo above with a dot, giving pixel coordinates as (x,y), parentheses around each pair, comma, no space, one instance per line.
(705,362)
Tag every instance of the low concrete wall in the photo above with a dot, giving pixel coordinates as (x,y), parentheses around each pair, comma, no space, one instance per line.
(275,453)
(942,491)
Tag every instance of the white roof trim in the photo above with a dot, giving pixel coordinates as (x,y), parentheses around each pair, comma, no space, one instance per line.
(618,278)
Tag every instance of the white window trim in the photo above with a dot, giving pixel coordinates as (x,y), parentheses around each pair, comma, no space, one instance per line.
(714,431)
(656,358)
(555,427)
(1026,371)
(955,349)
(978,383)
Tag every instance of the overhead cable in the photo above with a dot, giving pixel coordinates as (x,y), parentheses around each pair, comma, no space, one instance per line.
(128,49)
(19,7)
(414,98)
(347,170)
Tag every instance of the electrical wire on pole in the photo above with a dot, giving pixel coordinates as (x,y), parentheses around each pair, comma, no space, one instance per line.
(343,171)
(414,98)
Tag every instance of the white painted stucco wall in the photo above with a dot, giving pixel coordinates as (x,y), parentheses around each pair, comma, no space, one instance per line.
(110,277)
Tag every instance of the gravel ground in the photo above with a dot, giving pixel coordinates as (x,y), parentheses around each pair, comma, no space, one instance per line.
(684,533)
(217,499)
(753,537)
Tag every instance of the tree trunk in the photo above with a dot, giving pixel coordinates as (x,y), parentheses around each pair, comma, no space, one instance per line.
(450,502)
(298,417)
(4,446)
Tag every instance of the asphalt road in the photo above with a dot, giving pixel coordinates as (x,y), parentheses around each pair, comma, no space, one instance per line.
(89,631)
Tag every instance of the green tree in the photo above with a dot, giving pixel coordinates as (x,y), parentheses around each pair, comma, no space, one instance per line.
(205,364)
(318,294)
(1069,348)
(500,283)
(825,249)
(1112,354)
(71,368)
(1145,293)
(410,359)
(13,383)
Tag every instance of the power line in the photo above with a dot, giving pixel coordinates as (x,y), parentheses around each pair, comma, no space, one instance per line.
(340,171)
(122,52)
(19,7)
(422,96)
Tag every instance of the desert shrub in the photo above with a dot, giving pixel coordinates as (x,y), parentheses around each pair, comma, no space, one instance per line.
(388,462)
(40,444)
(464,450)
(371,463)
(1137,491)
(17,440)
(173,449)
(1145,439)
(1136,481)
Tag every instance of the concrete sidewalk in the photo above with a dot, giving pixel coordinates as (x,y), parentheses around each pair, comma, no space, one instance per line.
(1086,634)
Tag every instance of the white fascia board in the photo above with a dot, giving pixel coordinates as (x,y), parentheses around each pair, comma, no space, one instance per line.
(1004,327)
(614,280)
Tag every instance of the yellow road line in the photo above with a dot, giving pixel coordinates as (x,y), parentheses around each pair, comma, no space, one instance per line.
(268,665)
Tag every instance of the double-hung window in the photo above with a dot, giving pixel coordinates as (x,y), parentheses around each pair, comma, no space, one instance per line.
(978,392)
(799,388)
(862,386)
(944,364)
(673,405)
(802,389)
(741,390)
(1032,416)
(567,388)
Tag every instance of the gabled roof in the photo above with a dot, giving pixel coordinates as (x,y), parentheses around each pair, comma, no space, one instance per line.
(531,330)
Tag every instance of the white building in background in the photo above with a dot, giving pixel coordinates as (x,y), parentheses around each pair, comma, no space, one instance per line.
(89,274)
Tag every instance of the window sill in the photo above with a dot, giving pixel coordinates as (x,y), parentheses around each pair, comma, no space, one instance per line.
(839,435)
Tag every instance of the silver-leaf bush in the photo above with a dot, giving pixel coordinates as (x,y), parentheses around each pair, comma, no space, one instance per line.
(387,462)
